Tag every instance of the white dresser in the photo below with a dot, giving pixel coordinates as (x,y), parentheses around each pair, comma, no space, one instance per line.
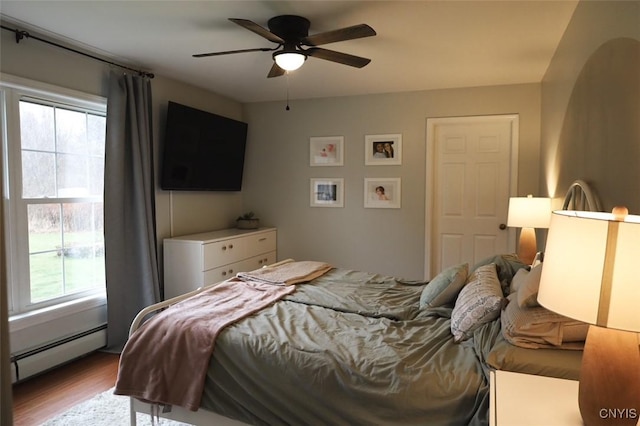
(196,260)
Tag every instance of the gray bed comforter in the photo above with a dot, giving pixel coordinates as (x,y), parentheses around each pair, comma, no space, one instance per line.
(349,348)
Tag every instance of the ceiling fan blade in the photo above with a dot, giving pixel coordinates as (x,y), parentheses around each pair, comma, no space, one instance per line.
(348,33)
(261,31)
(229,52)
(275,71)
(339,57)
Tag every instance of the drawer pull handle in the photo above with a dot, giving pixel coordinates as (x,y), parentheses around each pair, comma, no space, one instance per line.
(224,248)
(262,239)
(230,246)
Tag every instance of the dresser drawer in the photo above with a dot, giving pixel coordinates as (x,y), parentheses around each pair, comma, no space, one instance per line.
(258,262)
(224,252)
(260,243)
(216,275)
(222,273)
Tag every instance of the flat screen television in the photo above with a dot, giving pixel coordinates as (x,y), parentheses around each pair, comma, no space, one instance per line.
(202,151)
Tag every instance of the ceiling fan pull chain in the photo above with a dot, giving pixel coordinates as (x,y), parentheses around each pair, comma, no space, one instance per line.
(287,77)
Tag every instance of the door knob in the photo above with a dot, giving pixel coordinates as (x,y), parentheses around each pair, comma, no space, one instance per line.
(503,226)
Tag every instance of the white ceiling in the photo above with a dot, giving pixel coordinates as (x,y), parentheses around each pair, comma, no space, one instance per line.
(419,45)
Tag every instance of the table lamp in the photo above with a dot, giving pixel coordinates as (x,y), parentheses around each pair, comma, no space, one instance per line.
(591,273)
(528,213)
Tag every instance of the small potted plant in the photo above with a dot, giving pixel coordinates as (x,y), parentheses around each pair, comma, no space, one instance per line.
(247,221)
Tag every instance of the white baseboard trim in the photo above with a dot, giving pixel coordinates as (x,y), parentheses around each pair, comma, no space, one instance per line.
(38,362)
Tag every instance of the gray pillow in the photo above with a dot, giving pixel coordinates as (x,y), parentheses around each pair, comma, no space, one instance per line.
(444,288)
(506,267)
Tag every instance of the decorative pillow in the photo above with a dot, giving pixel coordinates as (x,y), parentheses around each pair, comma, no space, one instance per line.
(444,288)
(506,266)
(479,302)
(538,327)
(528,291)
(518,280)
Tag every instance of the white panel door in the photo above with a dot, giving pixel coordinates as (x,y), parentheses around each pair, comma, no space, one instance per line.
(471,163)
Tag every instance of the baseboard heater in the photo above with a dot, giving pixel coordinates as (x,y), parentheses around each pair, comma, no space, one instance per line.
(38,360)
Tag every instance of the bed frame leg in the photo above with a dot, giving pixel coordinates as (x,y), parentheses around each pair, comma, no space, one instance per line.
(132,413)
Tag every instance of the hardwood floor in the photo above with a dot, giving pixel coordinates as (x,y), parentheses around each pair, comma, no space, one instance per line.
(40,398)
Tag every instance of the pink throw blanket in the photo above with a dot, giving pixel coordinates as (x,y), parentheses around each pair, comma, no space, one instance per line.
(166,360)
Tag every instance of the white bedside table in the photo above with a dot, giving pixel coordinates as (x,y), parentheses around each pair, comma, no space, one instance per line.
(523,399)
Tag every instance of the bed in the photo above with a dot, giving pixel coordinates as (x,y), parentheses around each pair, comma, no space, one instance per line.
(350,347)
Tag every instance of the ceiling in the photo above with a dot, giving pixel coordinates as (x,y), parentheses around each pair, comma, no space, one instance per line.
(420,45)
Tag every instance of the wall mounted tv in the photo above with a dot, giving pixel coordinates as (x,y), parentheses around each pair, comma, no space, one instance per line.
(202,151)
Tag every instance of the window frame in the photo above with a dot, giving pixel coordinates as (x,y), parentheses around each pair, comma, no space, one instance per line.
(12,91)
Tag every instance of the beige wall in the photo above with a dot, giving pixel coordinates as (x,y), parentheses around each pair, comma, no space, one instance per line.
(388,241)
(591,105)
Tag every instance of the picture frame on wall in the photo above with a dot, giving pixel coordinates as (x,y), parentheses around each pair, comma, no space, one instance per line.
(383,150)
(326,192)
(382,193)
(326,151)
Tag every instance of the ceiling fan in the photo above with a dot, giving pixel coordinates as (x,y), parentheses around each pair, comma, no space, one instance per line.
(291,33)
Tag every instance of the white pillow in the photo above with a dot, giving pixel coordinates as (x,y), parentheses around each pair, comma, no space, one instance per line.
(528,291)
(538,327)
(518,280)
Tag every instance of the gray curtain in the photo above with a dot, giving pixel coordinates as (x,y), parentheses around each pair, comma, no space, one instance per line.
(131,259)
(6,401)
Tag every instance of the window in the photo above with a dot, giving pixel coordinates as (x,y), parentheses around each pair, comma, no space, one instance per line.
(54,148)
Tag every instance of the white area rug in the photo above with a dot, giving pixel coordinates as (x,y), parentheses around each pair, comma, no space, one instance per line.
(105,409)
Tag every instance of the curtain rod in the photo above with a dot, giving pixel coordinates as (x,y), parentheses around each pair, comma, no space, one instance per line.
(24,34)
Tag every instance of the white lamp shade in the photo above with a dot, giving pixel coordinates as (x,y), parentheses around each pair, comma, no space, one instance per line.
(529,212)
(591,269)
(289,61)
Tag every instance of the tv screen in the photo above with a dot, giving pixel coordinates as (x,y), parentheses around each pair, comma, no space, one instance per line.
(202,151)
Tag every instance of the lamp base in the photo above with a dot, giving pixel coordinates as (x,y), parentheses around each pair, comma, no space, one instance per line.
(610,378)
(527,247)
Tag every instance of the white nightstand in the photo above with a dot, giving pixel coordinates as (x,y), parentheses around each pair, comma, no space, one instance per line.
(523,399)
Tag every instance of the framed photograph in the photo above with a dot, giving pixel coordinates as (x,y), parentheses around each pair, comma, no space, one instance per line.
(382,193)
(326,151)
(327,192)
(383,150)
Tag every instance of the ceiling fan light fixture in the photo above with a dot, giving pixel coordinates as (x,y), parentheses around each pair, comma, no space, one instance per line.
(289,61)
(295,45)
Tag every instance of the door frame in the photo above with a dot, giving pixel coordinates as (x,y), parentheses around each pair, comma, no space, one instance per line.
(431,167)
